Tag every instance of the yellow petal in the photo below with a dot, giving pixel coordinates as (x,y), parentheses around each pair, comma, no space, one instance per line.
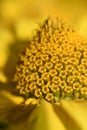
(15,111)
(66,118)
(2,77)
(78,111)
(6,105)
(12,98)
(44,118)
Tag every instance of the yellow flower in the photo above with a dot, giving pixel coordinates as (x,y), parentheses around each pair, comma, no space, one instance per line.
(61,62)
(51,75)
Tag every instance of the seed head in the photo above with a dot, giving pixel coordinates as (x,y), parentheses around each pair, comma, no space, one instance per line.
(54,66)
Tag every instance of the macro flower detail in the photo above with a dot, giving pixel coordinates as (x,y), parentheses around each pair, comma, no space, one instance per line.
(54,66)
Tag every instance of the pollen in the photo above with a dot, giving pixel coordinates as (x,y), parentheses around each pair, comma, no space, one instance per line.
(54,64)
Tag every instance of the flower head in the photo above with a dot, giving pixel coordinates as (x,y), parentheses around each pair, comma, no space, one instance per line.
(54,64)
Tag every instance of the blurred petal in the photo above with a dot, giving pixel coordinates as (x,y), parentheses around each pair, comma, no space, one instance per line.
(24,28)
(78,111)
(66,118)
(44,118)
(11,98)
(3,78)
(14,111)
(6,106)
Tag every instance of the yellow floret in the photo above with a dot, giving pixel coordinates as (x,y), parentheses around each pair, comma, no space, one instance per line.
(40,82)
(42,69)
(58,66)
(76,86)
(53,72)
(56,80)
(38,93)
(45,76)
(45,89)
(70,80)
(54,59)
(49,97)
(54,88)
(63,74)
(32,86)
(84,93)
(49,65)
(38,62)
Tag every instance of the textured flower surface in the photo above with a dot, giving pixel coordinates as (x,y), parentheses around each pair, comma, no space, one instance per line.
(54,65)
(51,82)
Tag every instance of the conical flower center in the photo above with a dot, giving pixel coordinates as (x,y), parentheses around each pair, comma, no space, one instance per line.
(54,65)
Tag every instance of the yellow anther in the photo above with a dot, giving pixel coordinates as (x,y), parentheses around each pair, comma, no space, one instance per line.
(84,62)
(45,76)
(32,58)
(85,54)
(32,67)
(42,69)
(76,86)
(27,88)
(70,79)
(40,82)
(53,72)
(56,80)
(45,89)
(32,101)
(58,66)
(68,89)
(54,59)
(29,78)
(82,78)
(34,76)
(85,72)
(76,74)
(22,91)
(28,52)
(32,86)
(84,91)
(38,93)
(81,68)
(69,68)
(65,60)
(74,61)
(62,84)
(38,62)
(63,74)
(49,65)
(49,97)
(54,88)
(77,54)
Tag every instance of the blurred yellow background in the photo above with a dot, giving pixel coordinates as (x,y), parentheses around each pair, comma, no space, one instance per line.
(19,17)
